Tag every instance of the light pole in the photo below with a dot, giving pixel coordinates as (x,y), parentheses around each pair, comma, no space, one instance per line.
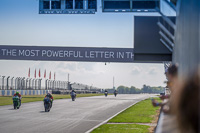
(46,84)
(16,82)
(39,84)
(7,86)
(26,83)
(91,88)
(36,84)
(3,82)
(50,85)
(33,83)
(68,77)
(29,83)
(12,82)
(23,83)
(113,83)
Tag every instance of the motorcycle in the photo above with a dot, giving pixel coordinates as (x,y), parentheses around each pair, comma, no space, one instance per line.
(115,94)
(73,96)
(16,102)
(105,93)
(47,104)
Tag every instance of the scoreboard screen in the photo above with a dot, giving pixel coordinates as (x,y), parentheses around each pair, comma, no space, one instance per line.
(131,5)
(67,6)
(79,4)
(116,4)
(144,4)
(90,6)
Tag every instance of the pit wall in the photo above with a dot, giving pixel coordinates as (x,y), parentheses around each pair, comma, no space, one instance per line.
(24,92)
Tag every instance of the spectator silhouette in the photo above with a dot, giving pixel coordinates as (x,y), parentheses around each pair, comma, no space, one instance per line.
(172,76)
(186,106)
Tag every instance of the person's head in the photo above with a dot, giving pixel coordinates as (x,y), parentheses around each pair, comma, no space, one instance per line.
(48,94)
(187,104)
(172,72)
(17,93)
(172,76)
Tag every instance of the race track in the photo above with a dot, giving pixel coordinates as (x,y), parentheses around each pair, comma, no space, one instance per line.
(65,116)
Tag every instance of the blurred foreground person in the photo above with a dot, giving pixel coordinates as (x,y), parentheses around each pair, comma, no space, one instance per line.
(172,76)
(187,105)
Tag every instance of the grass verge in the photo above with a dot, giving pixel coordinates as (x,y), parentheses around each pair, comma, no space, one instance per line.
(142,112)
(7,100)
(121,128)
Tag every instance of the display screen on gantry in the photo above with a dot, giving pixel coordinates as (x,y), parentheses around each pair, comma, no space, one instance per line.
(131,5)
(67,6)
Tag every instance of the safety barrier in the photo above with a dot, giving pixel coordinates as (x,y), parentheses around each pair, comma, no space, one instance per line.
(24,92)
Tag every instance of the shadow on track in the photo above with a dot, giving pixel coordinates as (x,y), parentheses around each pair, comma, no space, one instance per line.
(12,109)
(42,112)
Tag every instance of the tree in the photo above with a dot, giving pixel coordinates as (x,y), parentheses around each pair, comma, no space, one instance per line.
(133,90)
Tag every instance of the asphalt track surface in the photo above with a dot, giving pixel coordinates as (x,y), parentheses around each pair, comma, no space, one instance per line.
(66,116)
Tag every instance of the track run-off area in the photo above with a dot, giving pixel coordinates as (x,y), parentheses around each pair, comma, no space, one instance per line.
(66,116)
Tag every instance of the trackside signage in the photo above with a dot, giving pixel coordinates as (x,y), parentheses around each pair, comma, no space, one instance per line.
(88,54)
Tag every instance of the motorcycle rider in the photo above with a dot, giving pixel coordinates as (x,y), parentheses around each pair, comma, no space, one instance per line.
(115,92)
(73,92)
(19,95)
(106,92)
(50,96)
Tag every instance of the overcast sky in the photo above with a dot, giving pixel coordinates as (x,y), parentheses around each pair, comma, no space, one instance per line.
(20,24)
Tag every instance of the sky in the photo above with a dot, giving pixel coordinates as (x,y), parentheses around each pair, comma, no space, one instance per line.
(20,24)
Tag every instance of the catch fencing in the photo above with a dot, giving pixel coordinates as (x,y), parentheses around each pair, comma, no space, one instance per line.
(33,86)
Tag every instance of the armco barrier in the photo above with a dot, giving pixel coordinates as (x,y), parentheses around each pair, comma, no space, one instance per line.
(29,92)
(3,92)
(24,92)
(8,93)
(13,92)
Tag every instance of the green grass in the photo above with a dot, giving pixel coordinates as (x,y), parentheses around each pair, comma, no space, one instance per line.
(7,100)
(121,128)
(142,112)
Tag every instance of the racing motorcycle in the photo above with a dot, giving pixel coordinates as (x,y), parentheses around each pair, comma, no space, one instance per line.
(105,93)
(115,93)
(47,104)
(73,96)
(16,102)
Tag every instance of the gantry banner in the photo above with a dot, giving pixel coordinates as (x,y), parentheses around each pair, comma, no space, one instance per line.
(47,53)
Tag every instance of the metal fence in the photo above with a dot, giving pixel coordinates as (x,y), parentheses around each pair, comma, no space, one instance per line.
(22,83)
(19,83)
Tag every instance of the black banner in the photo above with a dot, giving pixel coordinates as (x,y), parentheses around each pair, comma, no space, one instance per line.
(88,54)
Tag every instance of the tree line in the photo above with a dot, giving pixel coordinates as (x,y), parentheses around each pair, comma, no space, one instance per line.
(133,90)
